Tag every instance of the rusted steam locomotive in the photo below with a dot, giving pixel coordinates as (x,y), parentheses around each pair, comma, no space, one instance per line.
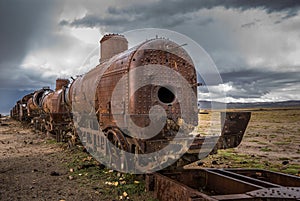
(54,111)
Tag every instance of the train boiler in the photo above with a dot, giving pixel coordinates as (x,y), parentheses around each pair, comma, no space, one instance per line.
(34,104)
(126,91)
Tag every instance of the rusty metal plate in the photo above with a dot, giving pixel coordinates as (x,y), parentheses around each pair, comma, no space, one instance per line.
(280,193)
(220,184)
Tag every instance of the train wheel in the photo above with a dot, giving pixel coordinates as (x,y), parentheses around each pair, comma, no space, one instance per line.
(117,156)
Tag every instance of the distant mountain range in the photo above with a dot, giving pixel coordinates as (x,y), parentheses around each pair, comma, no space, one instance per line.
(219,105)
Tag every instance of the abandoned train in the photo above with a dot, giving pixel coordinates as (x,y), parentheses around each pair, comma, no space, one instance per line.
(53,110)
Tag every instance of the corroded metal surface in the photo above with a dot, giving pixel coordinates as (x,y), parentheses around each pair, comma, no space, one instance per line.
(234,128)
(111,45)
(61,83)
(19,111)
(139,105)
(223,184)
(289,193)
(166,189)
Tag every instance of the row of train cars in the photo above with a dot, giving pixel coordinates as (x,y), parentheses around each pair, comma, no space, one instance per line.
(46,110)
(51,110)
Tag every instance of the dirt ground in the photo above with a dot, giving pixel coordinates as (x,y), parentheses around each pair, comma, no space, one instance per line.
(271,141)
(33,167)
(274,134)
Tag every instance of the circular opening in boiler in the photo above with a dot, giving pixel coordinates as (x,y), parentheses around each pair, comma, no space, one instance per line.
(165,95)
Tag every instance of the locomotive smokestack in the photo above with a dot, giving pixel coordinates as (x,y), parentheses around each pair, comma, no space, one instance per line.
(111,45)
(60,83)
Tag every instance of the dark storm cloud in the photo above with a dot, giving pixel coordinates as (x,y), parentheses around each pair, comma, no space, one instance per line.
(256,83)
(261,75)
(204,22)
(95,21)
(91,20)
(174,7)
(20,22)
(248,25)
(171,12)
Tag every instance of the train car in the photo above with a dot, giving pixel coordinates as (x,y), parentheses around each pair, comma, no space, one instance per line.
(19,111)
(48,111)
(119,106)
(117,102)
(57,115)
(34,108)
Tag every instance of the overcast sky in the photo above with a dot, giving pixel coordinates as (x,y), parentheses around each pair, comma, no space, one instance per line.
(254,44)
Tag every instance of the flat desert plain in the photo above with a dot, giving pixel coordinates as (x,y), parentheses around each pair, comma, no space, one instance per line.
(271,141)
